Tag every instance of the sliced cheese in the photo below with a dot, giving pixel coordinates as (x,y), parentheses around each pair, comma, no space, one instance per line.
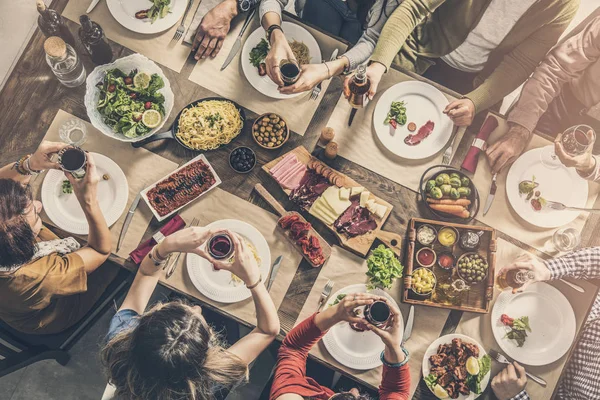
(332,197)
(364,196)
(344,193)
(371,205)
(319,211)
(356,190)
(380,210)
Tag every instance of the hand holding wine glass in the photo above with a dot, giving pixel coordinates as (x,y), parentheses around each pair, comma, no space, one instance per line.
(584,161)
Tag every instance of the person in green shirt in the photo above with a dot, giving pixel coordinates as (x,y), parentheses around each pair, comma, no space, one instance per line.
(483,49)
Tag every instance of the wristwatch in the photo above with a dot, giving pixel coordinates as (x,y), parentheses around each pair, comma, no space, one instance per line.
(243,5)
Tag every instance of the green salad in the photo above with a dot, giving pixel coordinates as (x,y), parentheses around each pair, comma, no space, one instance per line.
(131,104)
(383,268)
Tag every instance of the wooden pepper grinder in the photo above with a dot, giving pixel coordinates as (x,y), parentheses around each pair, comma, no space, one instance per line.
(331,150)
(327,135)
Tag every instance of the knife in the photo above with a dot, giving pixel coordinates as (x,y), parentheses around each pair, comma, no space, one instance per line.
(490,198)
(238,41)
(274,270)
(128,219)
(409,324)
(93,4)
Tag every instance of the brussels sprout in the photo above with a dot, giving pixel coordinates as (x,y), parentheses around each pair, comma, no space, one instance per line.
(430,185)
(445,178)
(446,189)
(454,194)
(436,193)
(464,191)
(455,182)
(454,175)
(439,180)
(465,181)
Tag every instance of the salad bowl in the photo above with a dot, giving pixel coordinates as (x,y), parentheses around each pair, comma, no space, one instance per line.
(126,64)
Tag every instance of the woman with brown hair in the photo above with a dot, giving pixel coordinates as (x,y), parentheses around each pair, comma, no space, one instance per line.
(170,351)
(48,284)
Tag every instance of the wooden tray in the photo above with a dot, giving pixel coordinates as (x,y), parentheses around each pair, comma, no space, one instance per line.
(260,189)
(478,297)
(359,244)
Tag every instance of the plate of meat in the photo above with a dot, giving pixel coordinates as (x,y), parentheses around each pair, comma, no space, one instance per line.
(352,346)
(420,129)
(456,366)
(221,285)
(180,187)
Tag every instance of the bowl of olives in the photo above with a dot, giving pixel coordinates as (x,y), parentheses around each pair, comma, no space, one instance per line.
(423,281)
(472,268)
(242,159)
(270,131)
(449,194)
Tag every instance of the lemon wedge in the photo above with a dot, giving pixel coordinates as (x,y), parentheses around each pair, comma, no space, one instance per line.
(141,80)
(151,118)
(472,366)
(440,392)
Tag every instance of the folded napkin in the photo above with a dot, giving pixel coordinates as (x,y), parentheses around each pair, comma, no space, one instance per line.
(176,223)
(470,162)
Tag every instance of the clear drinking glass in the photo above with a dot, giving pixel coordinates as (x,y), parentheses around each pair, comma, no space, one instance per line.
(566,239)
(73,132)
(575,140)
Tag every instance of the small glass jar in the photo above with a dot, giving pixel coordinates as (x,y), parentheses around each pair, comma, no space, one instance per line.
(378,313)
(73,132)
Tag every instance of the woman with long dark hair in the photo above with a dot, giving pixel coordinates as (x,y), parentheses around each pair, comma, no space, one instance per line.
(357,21)
(48,284)
(170,352)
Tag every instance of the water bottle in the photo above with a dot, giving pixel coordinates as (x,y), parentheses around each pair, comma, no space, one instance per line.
(64,61)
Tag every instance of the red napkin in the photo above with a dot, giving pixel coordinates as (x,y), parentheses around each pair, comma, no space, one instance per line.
(176,223)
(470,162)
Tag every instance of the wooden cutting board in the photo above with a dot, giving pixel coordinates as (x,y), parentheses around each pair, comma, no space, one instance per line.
(282,212)
(359,244)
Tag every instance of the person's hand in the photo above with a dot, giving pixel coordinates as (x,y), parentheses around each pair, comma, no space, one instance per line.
(86,188)
(585,163)
(391,334)
(506,150)
(374,73)
(280,50)
(310,76)
(345,309)
(509,382)
(244,264)
(42,158)
(212,30)
(528,262)
(461,112)
(186,240)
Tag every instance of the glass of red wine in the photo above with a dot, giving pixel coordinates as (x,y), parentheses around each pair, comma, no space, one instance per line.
(576,140)
(290,71)
(73,159)
(220,246)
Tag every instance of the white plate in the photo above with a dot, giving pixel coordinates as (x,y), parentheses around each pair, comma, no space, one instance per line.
(356,350)
(447,339)
(561,184)
(144,192)
(551,318)
(264,84)
(125,64)
(124,12)
(423,103)
(64,209)
(218,285)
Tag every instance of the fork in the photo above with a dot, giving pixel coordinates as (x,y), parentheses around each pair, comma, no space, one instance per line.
(502,360)
(315,92)
(448,153)
(173,265)
(181,27)
(325,293)
(560,206)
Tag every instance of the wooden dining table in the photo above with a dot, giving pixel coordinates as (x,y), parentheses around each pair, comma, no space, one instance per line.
(32,97)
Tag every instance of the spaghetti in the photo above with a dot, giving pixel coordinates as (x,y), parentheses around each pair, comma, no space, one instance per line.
(209,124)
(301,52)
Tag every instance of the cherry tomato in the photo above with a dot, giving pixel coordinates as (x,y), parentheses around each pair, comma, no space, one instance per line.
(111,88)
(393,123)
(128,81)
(148,105)
(133,95)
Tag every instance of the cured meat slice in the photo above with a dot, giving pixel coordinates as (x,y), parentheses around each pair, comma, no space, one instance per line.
(283,162)
(294,181)
(355,221)
(286,168)
(424,131)
(296,168)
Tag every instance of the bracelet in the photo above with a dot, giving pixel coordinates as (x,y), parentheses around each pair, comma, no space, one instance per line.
(270,30)
(156,260)
(328,70)
(18,165)
(27,167)
(256,284)
(397,365)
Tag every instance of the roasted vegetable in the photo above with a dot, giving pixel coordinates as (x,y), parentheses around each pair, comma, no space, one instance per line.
(455,182)
(446,189)
(454,194)
(464,191)
(436,193)
(464,181)
(430,185)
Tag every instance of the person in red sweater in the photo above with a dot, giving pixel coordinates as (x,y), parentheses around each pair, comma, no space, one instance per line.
(290,381)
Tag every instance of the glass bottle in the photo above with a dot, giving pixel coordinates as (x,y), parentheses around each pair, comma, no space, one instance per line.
(514,278)
(359,87)
(52,23)
(64,61)
(93,39)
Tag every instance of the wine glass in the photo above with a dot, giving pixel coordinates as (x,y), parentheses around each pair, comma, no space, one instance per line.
(576,140)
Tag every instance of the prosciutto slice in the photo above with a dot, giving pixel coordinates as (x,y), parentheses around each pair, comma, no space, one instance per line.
(424,131)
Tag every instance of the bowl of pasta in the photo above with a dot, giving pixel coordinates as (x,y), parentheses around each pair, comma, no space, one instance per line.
(129,99)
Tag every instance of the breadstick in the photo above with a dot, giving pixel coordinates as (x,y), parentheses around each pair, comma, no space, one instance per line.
(458,202)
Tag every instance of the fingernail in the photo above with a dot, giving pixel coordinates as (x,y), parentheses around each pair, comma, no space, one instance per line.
(197,58)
